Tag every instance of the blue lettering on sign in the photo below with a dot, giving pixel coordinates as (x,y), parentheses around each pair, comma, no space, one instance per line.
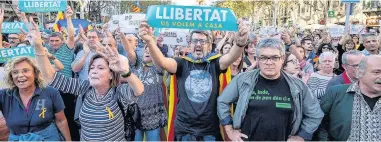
(32,6)
(7,54)
(191,17)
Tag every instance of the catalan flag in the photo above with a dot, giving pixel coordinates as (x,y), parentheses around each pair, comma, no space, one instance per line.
(136,7)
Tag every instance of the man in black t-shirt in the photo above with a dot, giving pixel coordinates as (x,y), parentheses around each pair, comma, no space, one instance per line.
(271,105)
(197,82)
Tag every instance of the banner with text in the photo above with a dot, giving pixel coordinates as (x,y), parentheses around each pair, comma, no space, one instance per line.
(7,54)
(356,29)
(191,17)
(32,6)
(174,37)
(12,27)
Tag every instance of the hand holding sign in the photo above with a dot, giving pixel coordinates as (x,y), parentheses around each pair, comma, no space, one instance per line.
(241,38)
(145,31)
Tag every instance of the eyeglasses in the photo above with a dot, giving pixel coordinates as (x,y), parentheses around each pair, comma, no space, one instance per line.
(264,59)
(17,72)
(13,38)
(295,62)
(202,41)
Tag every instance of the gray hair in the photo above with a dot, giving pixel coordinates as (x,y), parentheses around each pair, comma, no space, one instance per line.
(271,43)
(362,67)
(367,35)
(344,58)
(326,54)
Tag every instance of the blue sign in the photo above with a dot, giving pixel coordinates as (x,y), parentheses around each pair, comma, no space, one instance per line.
(351,1)
(14,27)
(191,17)
(76,22)
(7,54)
(32,6)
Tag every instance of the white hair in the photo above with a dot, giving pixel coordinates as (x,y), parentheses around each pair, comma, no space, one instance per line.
(326,54)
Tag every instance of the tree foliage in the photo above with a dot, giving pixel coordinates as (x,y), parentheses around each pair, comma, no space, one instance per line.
(128,5)
(244,8)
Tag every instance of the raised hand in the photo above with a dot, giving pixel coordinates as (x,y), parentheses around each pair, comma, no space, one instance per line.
(86,48)
(117,63)
(241,38)
(145,31)
(69,12)
(20,14)
(1,15)
(34,35)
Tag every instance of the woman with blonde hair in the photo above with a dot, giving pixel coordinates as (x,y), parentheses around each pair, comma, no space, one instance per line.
(101,100)
(32,111)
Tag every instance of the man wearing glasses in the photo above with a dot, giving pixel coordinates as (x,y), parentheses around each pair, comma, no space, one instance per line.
(351,60)
(271,105)
(14,40)
(197,81)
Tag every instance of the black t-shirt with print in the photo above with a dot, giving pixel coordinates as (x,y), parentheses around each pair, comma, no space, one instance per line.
(197,85)
(270,112)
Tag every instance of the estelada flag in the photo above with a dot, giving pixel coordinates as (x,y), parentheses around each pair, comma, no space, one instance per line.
(76,22)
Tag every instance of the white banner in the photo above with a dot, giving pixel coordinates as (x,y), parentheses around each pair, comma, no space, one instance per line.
(336,31)
(173,37)
(128,23)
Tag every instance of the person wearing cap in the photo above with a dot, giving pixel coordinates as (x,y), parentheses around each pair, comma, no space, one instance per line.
(197,81)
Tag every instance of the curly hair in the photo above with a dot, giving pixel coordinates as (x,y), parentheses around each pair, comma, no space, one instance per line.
(39,81)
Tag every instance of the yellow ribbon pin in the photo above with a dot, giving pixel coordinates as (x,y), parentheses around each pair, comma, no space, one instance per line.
(42,114)
(110,114)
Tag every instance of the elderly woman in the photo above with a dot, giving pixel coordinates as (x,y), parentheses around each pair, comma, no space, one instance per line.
(319,80)
(97,109)
(33,112)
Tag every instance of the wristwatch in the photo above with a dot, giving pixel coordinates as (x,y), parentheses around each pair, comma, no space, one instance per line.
(125,75)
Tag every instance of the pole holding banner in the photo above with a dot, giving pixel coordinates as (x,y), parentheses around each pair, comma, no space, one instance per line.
(347,14)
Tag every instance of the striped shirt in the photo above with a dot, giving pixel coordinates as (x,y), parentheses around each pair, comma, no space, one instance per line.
(65,55)
(100,116)
(318,84)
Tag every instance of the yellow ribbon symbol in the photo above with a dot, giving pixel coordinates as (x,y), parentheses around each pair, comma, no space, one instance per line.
(110,114)
(42,114)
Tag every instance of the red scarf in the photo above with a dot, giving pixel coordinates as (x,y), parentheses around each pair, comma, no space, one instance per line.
(346,78)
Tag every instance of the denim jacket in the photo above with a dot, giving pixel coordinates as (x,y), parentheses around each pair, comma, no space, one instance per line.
(307,114)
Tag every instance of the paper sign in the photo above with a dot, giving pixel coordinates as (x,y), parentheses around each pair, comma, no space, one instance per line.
(191,17)
(113,24)
(2,78)
(129,23)
(336,31)
(356,29)
(32,6)
(174,38)
(7,54)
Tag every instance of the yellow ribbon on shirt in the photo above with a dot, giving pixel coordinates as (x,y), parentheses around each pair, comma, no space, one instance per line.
(110,114)
(42,114)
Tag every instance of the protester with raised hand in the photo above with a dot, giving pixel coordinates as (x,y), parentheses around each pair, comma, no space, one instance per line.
(197,81)
(97,109)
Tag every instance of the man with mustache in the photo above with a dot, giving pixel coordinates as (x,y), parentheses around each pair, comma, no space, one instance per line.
(371,45)
(270,104)
(197,81)
(353,111)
